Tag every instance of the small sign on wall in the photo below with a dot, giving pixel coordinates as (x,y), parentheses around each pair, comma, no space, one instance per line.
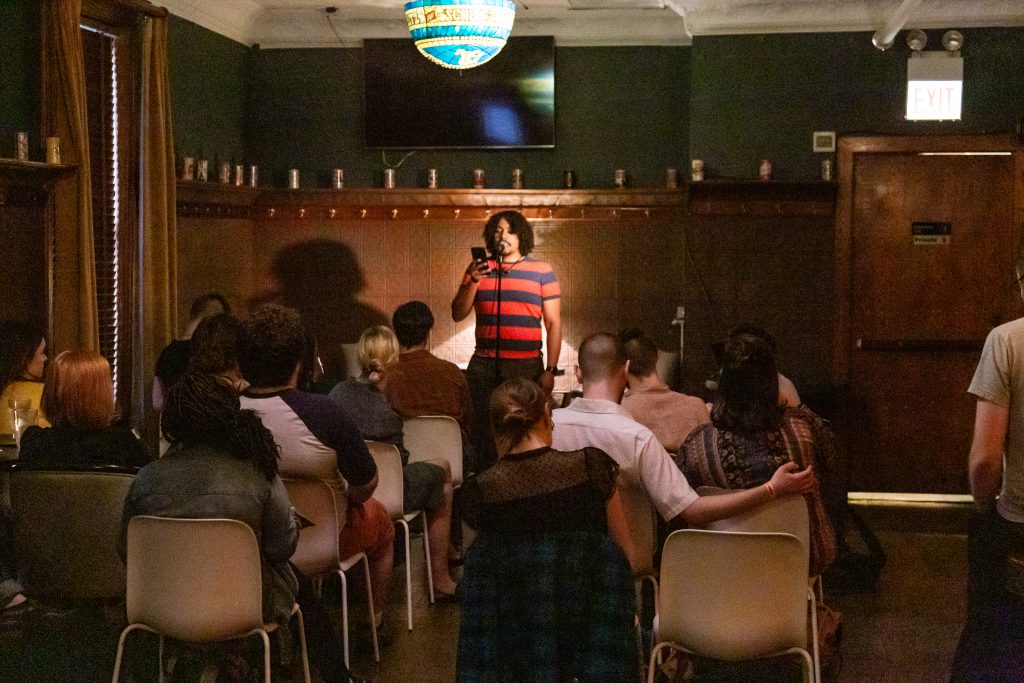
(930,233)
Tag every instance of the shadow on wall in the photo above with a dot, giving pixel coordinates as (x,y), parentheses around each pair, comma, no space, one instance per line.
(321,279)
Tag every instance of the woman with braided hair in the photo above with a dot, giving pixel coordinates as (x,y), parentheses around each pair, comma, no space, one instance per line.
(223,463)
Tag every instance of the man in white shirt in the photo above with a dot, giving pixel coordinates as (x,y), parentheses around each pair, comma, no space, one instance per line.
(597,419)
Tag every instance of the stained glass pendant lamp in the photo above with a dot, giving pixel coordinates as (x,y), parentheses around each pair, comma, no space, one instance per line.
(460,34)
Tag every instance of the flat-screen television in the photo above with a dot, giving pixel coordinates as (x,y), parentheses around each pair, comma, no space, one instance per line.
(413,103)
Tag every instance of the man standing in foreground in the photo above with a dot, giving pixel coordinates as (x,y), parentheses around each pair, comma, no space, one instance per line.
(992,643)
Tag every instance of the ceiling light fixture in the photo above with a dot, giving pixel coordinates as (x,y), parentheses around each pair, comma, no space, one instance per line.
(460,34)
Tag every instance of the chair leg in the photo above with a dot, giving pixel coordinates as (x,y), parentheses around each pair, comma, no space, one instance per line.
(266,655)
(408,572)
(813,606)
(652,663)
(426,555)
(344,615)
(160,659)
(302,644)
(370,607)
(120,650)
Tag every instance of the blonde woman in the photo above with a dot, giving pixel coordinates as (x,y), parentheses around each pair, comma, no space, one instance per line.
(78,398)
(428,485)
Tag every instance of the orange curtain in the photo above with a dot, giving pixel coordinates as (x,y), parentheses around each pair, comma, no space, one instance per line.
(73,316)
(158,242)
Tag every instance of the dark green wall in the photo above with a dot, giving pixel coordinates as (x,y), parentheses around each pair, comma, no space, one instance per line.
(19,76)
(761,96)
(209,77)
(615,108)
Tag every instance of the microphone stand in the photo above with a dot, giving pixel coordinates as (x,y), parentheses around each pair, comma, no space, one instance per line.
(500,258)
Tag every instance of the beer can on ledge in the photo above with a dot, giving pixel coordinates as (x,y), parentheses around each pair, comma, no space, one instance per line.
(432,178)
(671,178)
(202,170)
(389,178)
(826,170)
(188,168)
(337,179)
(570,179)
(224,173)
(620,178)
(254,172)
(53,150)
(517,178)
(764,172)
(478,179)
(293,178)
(239,175)
(22,146)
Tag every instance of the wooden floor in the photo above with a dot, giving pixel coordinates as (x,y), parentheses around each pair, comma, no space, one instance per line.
(905,631)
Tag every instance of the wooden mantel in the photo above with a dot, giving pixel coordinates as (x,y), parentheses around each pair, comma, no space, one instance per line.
(229,201)
(27,183)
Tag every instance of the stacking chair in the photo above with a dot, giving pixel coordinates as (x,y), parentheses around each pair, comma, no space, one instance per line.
(198,581)
(642,521)
(66,526)
(316,555)
(390,490)
(435,437)
(735,596)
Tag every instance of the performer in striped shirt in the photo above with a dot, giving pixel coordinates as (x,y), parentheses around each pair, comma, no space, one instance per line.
(517,301)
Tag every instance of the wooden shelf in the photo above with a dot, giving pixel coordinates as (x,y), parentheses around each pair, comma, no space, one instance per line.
(228,201)
(27,183)
(761,198)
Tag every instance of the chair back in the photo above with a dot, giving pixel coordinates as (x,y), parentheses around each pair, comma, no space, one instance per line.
(66,526)
(435,437)
(317,550)
(641,519)
(733,595)
(786,515)
(390,484)
(195,580)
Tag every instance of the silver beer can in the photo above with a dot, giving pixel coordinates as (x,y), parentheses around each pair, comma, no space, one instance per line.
(202,170)
(570,179)
(389,178)
(478,179)
(239,175)
(188,168)
(293,178)
(254,174)
(517,178)
(224,173)
(620,178)
(432,178)
(337,179)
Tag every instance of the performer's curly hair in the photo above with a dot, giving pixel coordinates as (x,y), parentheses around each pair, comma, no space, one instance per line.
(201,410)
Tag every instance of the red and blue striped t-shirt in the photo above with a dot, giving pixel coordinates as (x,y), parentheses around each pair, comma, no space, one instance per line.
(525,286)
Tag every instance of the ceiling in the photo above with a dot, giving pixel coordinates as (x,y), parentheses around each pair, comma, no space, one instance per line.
(306,23)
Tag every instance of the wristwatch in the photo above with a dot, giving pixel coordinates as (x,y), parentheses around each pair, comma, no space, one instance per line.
(555,371)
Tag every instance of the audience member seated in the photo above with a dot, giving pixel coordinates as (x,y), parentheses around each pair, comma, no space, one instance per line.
(422,383)
(22,364)
(428,484)
(215,349)
(788,395)
(751,434)
(78,395)
(547,595)
(669,414)
(317,439)
(172,363)
(224,463)
(596,419)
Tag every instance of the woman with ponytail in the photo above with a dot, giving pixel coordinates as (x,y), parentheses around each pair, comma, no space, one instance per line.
(427,485)
(547,587)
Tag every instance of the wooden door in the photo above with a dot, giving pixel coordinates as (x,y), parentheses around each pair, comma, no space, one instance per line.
(920,307)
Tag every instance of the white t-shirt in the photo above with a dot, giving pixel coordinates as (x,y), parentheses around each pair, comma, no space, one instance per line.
(999,379)
(643,461)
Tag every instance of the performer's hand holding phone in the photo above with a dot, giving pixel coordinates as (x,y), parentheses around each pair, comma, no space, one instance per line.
(478,268)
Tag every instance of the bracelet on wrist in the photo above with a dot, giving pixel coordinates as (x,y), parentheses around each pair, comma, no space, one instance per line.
(554,370)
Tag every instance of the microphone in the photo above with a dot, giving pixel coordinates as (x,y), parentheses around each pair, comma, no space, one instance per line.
(499,250)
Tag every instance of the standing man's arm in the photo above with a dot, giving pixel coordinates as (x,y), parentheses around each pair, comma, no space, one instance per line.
(986,462)
(553,327)
(462,304)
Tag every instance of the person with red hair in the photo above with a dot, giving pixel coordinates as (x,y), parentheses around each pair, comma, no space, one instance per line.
(78,399)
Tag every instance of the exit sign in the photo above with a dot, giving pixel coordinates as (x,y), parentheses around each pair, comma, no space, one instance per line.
(935,85)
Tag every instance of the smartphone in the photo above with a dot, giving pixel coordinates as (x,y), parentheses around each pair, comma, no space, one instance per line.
(479,254)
